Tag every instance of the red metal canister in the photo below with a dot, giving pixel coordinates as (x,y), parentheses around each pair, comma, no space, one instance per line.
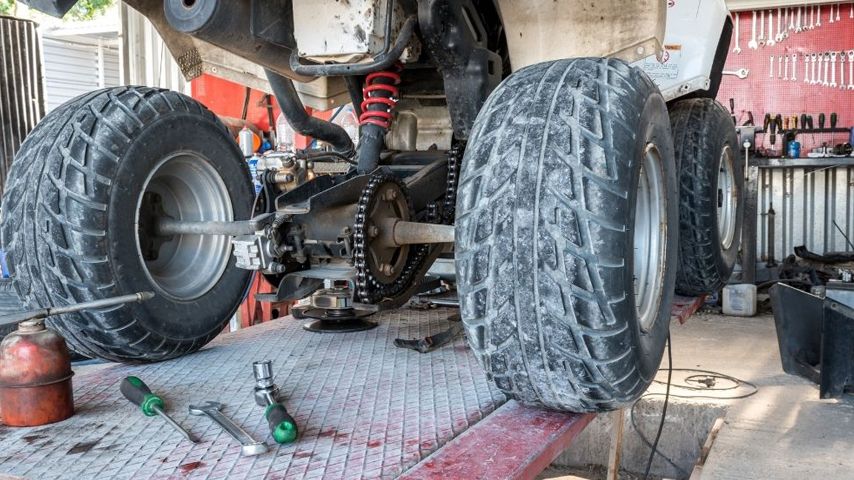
(35,377)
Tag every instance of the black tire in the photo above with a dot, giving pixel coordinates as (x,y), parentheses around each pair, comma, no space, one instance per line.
(9,304)
(703,135)
(69,220)
(545,234)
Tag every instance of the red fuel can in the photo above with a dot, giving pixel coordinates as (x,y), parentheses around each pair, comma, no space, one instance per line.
(35,377)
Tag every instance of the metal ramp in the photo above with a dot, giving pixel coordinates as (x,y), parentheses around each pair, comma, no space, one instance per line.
(365,409)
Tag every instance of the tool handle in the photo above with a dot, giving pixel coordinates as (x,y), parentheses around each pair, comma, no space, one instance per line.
(138,393)
(283,427)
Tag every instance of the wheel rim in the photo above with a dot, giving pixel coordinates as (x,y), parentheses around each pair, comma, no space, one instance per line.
(650,233)
(727,199)
(184,187)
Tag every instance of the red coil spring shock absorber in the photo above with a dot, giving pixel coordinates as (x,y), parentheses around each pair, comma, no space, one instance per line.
(381,94)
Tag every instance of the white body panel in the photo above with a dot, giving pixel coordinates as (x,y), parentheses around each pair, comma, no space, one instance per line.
(691,38)
(348,31)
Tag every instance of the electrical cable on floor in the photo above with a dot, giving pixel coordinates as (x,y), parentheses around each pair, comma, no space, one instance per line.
(663,410)
(704,381)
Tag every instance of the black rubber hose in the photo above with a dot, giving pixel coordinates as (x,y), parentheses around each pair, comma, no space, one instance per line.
(294,111)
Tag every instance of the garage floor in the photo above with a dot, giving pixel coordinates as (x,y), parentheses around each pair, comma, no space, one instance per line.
(782,432)
(368,409)
(365,408)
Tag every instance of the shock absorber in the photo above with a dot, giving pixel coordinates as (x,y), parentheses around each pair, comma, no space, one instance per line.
(380,96)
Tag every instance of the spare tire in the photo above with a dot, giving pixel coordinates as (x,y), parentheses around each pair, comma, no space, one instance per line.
(564,256)
(77,221)
(711,194)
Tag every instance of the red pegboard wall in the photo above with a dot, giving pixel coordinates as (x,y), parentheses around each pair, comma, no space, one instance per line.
(760,94)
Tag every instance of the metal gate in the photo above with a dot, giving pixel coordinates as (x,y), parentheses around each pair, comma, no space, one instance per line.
(21,93)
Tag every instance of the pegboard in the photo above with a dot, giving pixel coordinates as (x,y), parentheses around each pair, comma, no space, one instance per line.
(761,94)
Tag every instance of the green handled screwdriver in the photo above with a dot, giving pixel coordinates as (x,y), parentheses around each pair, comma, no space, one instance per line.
(138,393)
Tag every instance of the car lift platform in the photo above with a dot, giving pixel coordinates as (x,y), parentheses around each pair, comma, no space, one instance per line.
(365,409)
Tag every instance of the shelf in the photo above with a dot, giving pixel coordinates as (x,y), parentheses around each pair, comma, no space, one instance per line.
(801,162)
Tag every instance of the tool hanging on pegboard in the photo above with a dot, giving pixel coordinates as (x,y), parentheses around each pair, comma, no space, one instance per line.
(788,20)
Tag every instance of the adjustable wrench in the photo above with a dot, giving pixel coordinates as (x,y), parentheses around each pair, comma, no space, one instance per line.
(833,69)
(753,44)
(212,410)
(737,49)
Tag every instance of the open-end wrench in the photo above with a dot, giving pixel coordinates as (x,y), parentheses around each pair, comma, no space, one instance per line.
(806,68)
(833,69)
(761,37)
(851,13)
(817,16)
(212,410)
(813,60)
(826,70)
(737,49)
(741,73)
(786,68)
(753,45)
(779,66)
(794,67)
(798,27)
(842,85)
(830,17)
(811,25)
(771,37)
(780,24)
(837,11)
(850,69)
(771,70)
(791,20)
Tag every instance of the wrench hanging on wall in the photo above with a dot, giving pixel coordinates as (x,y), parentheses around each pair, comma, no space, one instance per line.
(737,49)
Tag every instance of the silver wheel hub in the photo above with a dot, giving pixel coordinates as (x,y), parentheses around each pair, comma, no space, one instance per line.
(650,238)
(183,187)
(727,198)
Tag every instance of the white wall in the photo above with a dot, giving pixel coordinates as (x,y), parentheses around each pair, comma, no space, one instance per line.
(77,64)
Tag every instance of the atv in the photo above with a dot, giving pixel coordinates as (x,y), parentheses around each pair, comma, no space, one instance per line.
(569,156)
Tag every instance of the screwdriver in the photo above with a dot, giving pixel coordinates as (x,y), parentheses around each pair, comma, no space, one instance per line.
(138,393)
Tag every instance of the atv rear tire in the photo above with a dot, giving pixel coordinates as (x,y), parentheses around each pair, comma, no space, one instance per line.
(711,194)
(565,262)
(74,221)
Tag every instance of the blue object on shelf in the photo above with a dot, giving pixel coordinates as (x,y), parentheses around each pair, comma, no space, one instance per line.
(794,149)
(3,267)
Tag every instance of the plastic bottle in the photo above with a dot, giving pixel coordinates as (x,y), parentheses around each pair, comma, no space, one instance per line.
(346,118)
(739,300)
(284,135)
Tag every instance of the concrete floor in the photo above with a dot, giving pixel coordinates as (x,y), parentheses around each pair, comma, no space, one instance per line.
(782,432)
